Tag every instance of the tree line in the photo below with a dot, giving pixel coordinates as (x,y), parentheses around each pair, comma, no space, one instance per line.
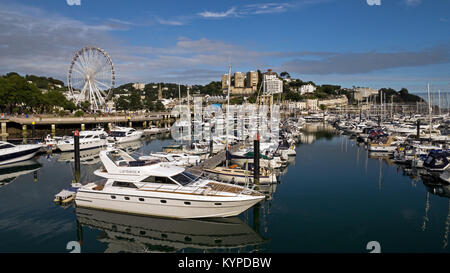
(18,95)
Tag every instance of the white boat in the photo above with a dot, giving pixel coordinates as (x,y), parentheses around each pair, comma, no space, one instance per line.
(388,147)
(50,142)
(240,176)
(161,189)
(445,175)
(178,159)
(10,153)
(152,130)
(124,134)
(88,140)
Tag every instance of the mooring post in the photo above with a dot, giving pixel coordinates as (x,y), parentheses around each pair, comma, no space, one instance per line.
(418,129)
(76,141)
(211,143)
(4,131)
(33,129)
(24,133)
(256,160)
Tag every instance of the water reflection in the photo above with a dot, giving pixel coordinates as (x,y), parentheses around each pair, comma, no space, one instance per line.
(130,147)
(10,172)
(87,157)
(311,132)
(131,233)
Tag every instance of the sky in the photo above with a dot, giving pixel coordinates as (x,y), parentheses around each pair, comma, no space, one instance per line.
(370,43)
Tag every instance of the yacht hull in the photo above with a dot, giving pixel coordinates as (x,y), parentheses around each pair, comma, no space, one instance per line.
(176,206)
(17,156)
(67,147)
(126,139)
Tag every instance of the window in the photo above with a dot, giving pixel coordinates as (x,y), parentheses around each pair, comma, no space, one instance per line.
(163,201)
(184,178)
(218,204)
(141,199)
(113,197)
(5,146)
(158,179)
(187,203)
(127,198)
(124,184)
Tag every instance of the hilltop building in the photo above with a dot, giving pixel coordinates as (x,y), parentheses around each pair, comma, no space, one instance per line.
(308,88)
(272,85)
(239,79)
(139,86)
(241,83)
(252,80)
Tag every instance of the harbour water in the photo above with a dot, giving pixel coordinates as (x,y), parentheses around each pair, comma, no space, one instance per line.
(331,198)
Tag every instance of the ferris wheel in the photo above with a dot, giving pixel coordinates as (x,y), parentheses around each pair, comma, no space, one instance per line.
(91,77)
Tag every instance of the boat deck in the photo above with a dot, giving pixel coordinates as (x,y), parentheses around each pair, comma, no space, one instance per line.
(217,187)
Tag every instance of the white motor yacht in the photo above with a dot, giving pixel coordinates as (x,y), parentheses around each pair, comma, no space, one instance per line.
(178,159)
(124,134)
(50,142)
(10,153)
(89,139)
(161,189)
(152,130)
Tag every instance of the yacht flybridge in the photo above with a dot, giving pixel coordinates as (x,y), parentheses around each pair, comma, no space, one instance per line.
(151,187)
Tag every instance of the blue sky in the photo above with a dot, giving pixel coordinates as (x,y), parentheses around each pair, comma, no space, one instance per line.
(400,43)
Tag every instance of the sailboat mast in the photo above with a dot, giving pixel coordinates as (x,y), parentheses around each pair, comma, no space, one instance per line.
(429,105)
(228,109)
(439,92)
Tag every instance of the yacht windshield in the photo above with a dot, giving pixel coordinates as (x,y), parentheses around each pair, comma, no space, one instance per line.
(184,178)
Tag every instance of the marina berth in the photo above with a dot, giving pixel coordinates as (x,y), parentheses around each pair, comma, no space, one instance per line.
(124,134)
(150,187)
(11,153)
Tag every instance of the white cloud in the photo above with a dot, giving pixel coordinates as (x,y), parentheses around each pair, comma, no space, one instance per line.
(210,14)
(73,2)
(265,8)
